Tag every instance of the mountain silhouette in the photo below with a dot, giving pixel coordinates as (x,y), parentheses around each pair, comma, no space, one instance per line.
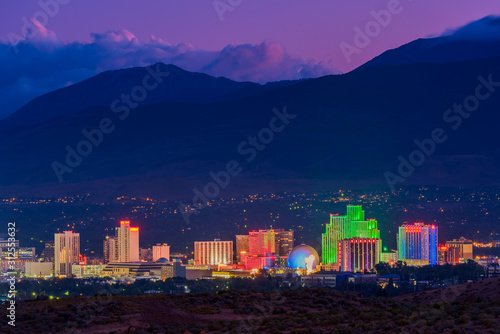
(348,130)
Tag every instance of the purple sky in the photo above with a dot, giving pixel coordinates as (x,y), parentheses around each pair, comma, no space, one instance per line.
(300,36)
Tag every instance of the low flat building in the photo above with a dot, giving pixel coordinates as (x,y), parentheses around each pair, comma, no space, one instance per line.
(464,250)
(492,270)
(390,257)
(232,273)
(175,269)
(194,274)
(13,265)
(416,262)
(320,278)
(383,280)
(38,269)
(87,270)
(132,269)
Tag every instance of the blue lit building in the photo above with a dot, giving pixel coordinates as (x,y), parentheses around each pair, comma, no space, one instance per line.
(418,244)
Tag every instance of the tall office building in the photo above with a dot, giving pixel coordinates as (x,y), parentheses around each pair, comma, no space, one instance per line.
(160,251)
(359,254)
(134,244)
(241,246)
(461,248)
(261,242)
(146,254)
(353,225)
(284,242)
(128,242)
(48,252)
(213,252)
(110,249)
(66,252)
(418,244)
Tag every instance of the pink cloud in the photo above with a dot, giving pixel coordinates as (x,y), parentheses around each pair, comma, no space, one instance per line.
(43,63)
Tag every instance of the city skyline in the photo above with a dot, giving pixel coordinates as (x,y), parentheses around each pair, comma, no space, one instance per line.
(416,242)
(249,166)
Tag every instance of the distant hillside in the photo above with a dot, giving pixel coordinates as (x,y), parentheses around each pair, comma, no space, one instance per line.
(349,130)
(439,50)
(487,290)
(175,85)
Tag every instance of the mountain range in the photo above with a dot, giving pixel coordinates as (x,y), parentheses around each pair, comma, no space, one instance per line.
(347,130)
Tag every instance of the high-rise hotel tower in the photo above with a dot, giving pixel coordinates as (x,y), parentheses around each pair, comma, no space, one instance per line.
(418,244)
(127,243)
(66,252)
(353,225)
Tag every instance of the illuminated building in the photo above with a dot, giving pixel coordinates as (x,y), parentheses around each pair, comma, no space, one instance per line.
(132,269)
(261,248)
(160,251)
(390,257)
(464,250)
(213,252)
(66,252)
(261,242)
(94,260)
(5,243)
(448,254)
(127,243)
(110,249)
(352,225)
(87,270)
(241,246)
(26,253)
(359,254)
(134,244)
(327,278)
(418,244)
(259,262)
(284,242)
(20,253)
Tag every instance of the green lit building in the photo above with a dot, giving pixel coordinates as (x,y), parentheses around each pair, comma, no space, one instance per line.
(353,225)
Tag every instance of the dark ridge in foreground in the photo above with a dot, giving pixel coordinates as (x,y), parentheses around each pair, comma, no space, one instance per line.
(291,311)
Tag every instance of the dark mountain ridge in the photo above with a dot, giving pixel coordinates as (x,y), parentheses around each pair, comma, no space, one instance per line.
(348,131)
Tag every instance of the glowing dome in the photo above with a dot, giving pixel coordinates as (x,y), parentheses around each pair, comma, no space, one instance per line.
(298,255)
(162,260)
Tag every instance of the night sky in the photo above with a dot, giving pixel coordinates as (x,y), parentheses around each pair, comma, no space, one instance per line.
(252,40)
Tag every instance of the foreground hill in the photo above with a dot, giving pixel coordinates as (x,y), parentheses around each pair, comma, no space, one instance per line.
(291,311)
(483,290)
